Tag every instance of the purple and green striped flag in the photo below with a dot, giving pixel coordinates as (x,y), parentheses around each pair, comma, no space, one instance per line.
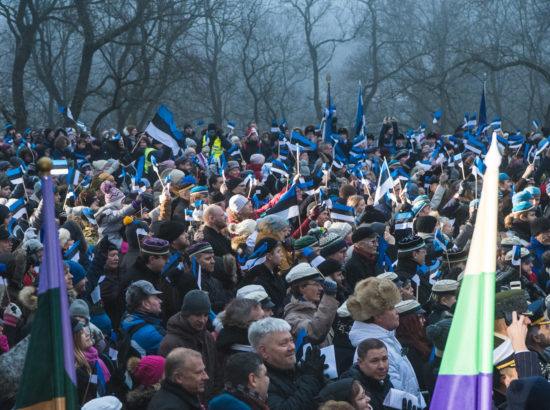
(49,377)
(465,375)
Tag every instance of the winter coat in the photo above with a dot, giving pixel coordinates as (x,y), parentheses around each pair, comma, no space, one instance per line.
(237,399)
(147,339)
(291,389)
(401,371)
(109,220)
(172,396)
(219,297)
(181,334)
(358,268)
(316,320)
(232,339)
(377,390)
(407,269)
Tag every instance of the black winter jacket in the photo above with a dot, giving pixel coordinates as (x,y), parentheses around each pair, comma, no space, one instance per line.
(172,396)
(291,390)
(376,389)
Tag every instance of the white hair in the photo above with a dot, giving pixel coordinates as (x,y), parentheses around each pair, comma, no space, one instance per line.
(263,327)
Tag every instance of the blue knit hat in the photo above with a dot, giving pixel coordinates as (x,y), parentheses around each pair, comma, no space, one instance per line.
(77,270)
(533,190)
(502,176)
(420,203)
(523,196)
(523,207)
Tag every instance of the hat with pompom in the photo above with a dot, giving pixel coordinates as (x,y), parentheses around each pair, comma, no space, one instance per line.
(112,193)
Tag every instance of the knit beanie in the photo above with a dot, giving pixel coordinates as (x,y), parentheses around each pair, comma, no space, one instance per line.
(245,227)
(438,333)
(237,202)
(80,308)
(363,232)
(149,370)
(171,230)
(195,302)
(77,270)
(233,183)
(304,242)
(339,228)
(112,194)
(330,244)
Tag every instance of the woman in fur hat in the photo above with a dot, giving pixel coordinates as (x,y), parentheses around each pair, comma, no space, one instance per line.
(273,226)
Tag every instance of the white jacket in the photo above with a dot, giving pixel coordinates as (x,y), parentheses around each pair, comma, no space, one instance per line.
(401,371)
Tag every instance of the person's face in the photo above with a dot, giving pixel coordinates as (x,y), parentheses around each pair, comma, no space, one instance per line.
(360,207)
(247,209)
(286,231)
(256,314)
(39,254)
(339,256)
(388,320)
(311,290)
(56,197)
(68,279)
(5,192)
(544,335)
(361,401)
(192,377)
(544,238)
(261,382)
(112,260)
(275,257)
(338,277)
(505,185)
(530,216)
(182,241)
(322,218)
(268,312)
(158,262)
(219,219)
(527,267)
(153,305)
(419,256)
(206,261)
(80,286)
(234,173)
(368,245)
(85,339)
(240,189)
(218,183)
(406,291)
(447,229)
(535,200)
(278,350)
(5,246)
(425,211)
(197,322)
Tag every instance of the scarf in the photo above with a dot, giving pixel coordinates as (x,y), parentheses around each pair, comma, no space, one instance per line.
(244,392)
(92,357)
(370,257)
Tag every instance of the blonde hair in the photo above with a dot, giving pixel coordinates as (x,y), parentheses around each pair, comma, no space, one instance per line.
(79,358)
(354,200)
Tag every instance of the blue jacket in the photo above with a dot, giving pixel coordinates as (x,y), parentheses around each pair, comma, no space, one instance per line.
(147,339)
(227,402)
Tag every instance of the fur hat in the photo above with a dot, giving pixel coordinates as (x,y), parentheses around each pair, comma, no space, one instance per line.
(245,227)
(372,297)
(64,236)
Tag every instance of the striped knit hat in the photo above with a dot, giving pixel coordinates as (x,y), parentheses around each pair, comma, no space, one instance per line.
(199,247)
(410,243)
(331,243)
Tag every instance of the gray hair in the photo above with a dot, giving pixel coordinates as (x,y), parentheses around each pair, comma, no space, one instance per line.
(237,313)
(263,327)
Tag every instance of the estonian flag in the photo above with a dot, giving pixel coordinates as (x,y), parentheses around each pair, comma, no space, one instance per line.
(163,129)
(516,255)
(287,206)
(18,208)
(73,176)
(60,167)
(404,221)
(312,257)
(279,167)
(341,212)
(235,153)
(303,142)
(15,176)
(385,183)
(89,214)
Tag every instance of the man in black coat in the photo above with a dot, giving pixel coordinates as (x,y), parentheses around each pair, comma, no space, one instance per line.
(411,265)
(363,262)
(371,370)
(185,378)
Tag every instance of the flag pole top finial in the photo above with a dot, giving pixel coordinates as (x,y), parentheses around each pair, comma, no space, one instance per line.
(44,165)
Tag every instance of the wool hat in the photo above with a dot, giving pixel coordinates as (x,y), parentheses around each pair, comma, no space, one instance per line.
(406,307)
(257,293)
(339,228)
(439,332)
(237,202)
(372,297)
(77,271)
(150,370)
(80,308)
(378,227)
(103,403)
(4,212)
(139,291)
(419,205)
(199,189)
(245,227)
(503,176)
(155,246)
(196,302)
(426,224)
(410,243)
(363,232)
(304,242)
(233,183)
(199,247)
(257,159)
(445,286)
(331,243)
(533,190)
(273,223)
(232,164)
(522,196)
(510,254)
(459,255)
(112,194)
(303,271)
(215,197)
(539,226)
(400,154)
(509,301)
(508,242)
(171,230)
(329,266)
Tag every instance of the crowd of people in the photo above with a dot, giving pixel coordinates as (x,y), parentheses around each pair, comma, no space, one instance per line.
(288,269)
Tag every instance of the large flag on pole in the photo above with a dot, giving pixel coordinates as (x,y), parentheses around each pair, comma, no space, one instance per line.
(360,122)
(482,119)
(49,378)
(465,375)
(385,183)
(163,129)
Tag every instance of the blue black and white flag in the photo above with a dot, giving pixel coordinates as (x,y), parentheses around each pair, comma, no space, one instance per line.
(15,176)
(163,129)
(287,206)
(385,183)
(60,167)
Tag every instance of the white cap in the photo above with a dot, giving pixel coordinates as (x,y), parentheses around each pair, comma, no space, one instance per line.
(388,275)
(445,286)
(237,202)
(303,271)
(409,306)
(243,292)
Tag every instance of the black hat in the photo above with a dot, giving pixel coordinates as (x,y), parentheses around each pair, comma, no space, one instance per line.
(196,302)
(459,255)
(215,197)
(410,243)
(362,233)
(509,301)
(536,312)
(171,230)
(233,183)
(4,212)
(426,224)
(330,266)
(539,226)
(4,235)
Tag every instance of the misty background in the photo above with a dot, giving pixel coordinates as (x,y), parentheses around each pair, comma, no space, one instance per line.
(113,62)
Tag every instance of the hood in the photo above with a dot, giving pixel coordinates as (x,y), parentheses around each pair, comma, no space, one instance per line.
(361,331)
(302,306)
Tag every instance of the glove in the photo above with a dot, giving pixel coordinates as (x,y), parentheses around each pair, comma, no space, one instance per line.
(330,287)
(314,363)
(315,212)
(136,203)
(407,405)
(12,315)
(103,246)
(288,242)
